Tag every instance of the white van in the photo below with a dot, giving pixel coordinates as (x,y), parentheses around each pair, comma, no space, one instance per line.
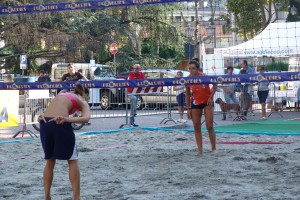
(102,97)
(91,71)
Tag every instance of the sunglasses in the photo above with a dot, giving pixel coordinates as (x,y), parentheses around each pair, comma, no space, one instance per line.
(136,68)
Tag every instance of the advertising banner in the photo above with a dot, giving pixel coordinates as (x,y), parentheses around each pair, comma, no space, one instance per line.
(9,108)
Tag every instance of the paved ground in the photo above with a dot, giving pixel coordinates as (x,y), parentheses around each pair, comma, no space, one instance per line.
(146,121)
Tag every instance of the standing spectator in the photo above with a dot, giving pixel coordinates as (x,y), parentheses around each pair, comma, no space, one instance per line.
(135,74)
(298,99)
(180,97)
(72,75)
(230,97)
(262,92)
(202,97)
(43,77)
(245,98)
(8,79)
(81,72)
(249,70)
(245,66)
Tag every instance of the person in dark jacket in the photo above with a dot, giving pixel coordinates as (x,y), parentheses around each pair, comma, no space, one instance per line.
(43,77)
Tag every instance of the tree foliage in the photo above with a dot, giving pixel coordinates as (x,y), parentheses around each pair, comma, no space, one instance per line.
(143,34)
(252,16)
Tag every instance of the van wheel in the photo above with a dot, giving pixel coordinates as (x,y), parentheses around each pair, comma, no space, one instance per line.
(105,100)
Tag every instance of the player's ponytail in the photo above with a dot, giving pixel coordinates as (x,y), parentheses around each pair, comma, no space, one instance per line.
(80,89)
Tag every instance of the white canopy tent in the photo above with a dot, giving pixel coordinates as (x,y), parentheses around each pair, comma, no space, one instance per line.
(277,39)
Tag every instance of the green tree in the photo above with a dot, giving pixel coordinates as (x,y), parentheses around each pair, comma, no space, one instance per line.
(252,16)
(78,36)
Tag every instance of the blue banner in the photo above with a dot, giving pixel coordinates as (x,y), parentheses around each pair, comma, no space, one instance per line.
(245,78)
(83,5)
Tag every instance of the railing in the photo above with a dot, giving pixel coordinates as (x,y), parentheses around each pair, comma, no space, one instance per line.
(162,101)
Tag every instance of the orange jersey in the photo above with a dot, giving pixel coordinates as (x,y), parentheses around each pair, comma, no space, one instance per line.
(200,93)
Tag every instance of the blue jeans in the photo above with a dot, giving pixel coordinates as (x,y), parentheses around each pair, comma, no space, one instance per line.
(133,107)
(230,98)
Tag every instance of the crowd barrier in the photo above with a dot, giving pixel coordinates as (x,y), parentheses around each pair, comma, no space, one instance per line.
(149,103)
(280,98)
(154,99)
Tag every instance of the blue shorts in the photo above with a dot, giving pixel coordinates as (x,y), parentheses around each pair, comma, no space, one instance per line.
(58,140)
(180,99)
(230,98)
(262,96)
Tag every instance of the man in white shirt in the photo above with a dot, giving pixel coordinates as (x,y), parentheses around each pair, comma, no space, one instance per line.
(229,95)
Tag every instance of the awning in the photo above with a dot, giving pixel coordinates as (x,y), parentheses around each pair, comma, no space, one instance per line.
(277,39)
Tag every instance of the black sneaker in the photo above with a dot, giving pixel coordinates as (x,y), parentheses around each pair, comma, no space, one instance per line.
(134,125)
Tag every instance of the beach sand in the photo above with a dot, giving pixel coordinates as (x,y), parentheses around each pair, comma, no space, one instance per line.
(147,165)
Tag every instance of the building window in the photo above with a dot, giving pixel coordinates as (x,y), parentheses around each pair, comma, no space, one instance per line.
(178,18)
(192,18)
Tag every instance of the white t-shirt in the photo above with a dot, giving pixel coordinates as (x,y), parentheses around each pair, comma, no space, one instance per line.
(229,88)
(181,89)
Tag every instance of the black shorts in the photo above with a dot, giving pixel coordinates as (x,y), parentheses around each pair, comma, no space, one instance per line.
(58,141)
(199,106)
(262,96)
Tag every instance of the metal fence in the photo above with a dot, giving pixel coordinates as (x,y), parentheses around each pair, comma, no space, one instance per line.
(152,103)
(149,103)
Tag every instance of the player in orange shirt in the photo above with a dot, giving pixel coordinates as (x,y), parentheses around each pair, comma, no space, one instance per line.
(200,98)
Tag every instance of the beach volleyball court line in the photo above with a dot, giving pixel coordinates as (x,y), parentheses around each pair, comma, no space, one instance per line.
(238,142)
(273,127)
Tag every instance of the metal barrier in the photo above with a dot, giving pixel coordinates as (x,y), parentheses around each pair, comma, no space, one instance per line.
(150,102)
(253,104)
(278,99)
(30,107)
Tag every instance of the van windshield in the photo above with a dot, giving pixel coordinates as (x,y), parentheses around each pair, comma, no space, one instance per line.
(103,71)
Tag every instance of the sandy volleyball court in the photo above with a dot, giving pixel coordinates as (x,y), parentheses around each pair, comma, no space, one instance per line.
(141,164)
